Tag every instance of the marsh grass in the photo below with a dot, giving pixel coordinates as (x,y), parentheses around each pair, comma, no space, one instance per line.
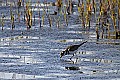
(106,15)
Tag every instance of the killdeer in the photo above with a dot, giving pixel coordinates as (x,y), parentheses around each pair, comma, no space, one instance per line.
(71,50)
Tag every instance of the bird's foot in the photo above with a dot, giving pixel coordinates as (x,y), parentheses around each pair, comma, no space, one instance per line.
(71,60)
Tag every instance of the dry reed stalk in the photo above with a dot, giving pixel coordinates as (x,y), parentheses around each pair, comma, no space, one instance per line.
(49,18)
(65,16)
(88,13)
(39,14)
(28,13)
(118,14)
(113,14)
(12,21)
(48,15)
(2,21)
(94,6)
(82,14)
(12,18)
(97,32)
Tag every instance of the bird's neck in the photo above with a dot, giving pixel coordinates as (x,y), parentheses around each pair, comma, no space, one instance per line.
(82,43)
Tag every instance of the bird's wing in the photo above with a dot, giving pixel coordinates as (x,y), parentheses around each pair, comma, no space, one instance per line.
(73,47)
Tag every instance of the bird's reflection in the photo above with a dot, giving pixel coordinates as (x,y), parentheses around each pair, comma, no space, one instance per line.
(72,61)
(72,68)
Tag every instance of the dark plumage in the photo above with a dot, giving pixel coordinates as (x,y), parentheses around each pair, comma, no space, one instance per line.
(71,50)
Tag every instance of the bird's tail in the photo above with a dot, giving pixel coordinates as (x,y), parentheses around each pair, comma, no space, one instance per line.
(82,43)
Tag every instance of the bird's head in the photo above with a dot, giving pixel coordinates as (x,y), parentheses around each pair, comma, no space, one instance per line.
(62,54)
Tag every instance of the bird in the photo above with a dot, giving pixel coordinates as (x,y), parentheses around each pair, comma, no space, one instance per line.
(71,50)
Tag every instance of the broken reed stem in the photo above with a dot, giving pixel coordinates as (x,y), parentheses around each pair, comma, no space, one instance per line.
(6,3)
(113,15)
(28,14)
(109,31)
(118,14)
(2,21)
(94,9)
(65,16)
(48,15)
(34,14)
(97,32)
(88,14)
(18,12)
(81,13)
(19,17)
(12,21)
(39,18)
(24,10)
(34,20)
(58,22)
(12,17)
(94,6)
(49,18)
(43,15)
(39,14)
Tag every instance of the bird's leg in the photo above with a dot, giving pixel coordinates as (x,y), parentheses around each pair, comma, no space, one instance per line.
(76,60)
(72,57)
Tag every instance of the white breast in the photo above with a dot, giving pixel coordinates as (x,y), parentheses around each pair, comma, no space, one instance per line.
(72,52)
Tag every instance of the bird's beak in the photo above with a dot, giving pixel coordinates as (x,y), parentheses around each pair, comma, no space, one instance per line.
(60,55)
